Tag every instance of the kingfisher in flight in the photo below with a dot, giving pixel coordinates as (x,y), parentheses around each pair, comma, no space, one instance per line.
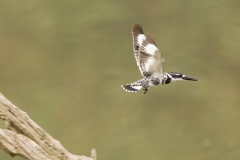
(150,63)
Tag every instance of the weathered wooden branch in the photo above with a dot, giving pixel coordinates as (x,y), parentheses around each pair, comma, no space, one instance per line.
(28,140)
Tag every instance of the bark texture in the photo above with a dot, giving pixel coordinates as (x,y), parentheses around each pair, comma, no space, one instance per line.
(26,139)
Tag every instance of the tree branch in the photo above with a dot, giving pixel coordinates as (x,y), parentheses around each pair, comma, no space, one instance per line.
(27,139)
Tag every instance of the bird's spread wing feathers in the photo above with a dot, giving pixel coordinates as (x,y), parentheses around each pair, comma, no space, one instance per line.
(147,55)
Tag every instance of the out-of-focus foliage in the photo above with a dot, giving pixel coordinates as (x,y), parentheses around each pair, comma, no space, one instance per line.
(63,63)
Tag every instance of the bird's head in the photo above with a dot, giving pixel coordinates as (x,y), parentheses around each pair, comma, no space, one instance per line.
(180,76)
(175,76)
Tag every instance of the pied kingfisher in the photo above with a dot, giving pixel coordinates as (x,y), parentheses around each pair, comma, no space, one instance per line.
(150,63)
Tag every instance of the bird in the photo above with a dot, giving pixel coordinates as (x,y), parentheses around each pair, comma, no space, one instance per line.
(150,63)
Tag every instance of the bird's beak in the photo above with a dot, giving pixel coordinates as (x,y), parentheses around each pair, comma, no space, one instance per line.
(189,78)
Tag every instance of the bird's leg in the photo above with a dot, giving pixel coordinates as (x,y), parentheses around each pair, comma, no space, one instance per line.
(145,90)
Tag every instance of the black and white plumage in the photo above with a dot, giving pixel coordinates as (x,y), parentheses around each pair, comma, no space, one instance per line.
(150,63)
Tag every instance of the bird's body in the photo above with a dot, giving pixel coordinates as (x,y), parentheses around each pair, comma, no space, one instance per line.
(150,63)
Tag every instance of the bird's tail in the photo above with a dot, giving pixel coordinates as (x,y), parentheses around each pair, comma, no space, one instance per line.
(133,87)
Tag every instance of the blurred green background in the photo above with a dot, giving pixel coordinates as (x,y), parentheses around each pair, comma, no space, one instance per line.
(63,63)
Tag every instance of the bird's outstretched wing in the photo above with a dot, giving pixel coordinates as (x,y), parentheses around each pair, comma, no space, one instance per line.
(147,55)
